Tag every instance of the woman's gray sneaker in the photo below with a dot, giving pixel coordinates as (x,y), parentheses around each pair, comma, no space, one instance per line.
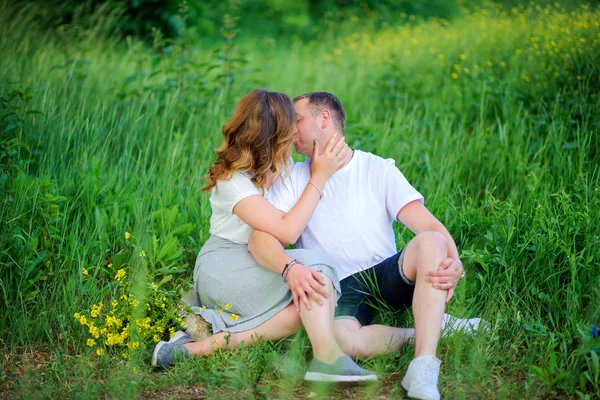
(344,369)
(165,352)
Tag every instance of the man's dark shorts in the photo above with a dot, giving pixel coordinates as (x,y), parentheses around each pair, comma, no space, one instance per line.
(383,286)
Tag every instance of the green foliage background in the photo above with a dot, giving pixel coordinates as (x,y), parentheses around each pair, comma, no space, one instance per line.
(490,110)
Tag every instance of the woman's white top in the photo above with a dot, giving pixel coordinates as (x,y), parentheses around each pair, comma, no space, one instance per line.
(224,196)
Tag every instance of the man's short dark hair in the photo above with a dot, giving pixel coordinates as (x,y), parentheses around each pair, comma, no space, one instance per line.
(325,100)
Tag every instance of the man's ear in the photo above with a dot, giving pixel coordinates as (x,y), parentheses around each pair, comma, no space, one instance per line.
(325,118)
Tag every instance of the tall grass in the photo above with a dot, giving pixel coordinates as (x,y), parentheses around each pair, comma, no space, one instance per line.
(493,116)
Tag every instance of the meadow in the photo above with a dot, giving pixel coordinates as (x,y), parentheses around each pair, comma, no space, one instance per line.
(104,141)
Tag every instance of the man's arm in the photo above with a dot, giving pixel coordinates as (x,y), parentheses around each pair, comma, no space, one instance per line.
(304,282)
(418,219)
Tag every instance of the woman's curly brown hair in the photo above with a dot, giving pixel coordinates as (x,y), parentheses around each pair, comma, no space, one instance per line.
(257,139)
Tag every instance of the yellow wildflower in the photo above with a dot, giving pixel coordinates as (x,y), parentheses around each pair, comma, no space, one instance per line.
(77,315)
(94,331)
(171,332)
(96,308)
(142,253)
(127,235)
(83,320)
(227,306)
(454,75)
(85,271)
(91,342)
(156,338)
(99,351)
(120,274)
(110,265)
(234,317)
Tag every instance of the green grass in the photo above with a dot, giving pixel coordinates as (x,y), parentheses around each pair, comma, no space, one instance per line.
(506,153)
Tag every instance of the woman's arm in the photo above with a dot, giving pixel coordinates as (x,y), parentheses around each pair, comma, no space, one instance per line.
(261,215)
(304,282)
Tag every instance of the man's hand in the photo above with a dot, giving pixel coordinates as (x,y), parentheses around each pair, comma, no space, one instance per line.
(306,283)
(446,277)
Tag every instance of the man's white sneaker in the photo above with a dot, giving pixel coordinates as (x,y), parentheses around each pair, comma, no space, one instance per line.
(421,379)
(451,325)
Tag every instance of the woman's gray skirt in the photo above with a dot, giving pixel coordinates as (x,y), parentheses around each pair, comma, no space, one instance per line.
(234,293)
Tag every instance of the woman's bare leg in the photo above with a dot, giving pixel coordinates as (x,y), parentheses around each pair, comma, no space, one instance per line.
(283,324)
(318,323)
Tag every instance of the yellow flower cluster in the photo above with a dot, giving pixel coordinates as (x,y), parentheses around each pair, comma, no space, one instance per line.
(528,47)
(120,274)
(95,310)
(110,327)
(112,321)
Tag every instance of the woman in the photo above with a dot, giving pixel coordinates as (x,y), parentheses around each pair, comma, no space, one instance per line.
(242,300)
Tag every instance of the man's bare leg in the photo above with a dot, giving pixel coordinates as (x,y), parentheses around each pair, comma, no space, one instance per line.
(371,340)
(424,253)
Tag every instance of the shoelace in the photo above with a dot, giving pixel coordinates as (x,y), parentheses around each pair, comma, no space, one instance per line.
(428,375)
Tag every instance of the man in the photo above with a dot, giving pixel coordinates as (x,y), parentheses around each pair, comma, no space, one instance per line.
(353,225)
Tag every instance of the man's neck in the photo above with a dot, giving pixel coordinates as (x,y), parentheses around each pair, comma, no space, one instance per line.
(349,158)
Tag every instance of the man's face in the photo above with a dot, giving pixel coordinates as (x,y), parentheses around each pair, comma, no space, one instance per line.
(308,128)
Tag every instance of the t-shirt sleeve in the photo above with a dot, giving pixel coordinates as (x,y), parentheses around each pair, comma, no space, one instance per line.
(398,192)
(228,193)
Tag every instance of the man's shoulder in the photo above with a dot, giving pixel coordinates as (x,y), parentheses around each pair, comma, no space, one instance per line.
(373,160)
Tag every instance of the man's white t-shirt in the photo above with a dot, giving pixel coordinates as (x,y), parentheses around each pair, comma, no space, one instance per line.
(223,222)
(353,221)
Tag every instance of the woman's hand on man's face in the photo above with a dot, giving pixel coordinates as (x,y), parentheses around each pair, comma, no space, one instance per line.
(306,284)
(331,159)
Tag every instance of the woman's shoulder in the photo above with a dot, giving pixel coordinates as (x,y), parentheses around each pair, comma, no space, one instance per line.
(239,182)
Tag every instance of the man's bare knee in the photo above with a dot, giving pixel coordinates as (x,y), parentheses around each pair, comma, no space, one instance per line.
(424,245)
(426,241)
